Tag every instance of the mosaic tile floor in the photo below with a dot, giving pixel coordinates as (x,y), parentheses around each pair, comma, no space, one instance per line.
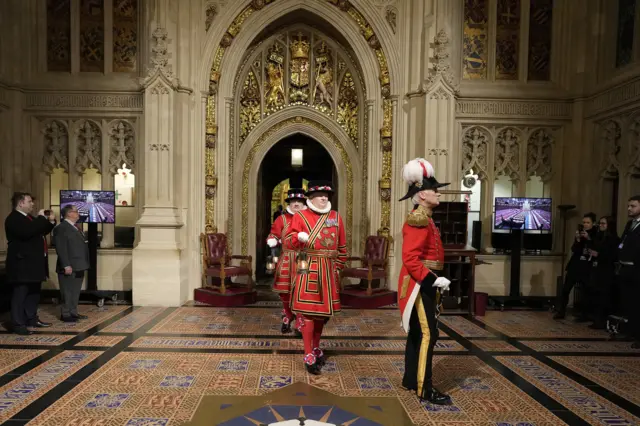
(173,366)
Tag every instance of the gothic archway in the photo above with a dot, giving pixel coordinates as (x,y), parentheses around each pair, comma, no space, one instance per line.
(368,51)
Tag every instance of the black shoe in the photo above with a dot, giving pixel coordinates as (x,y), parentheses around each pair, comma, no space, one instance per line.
(22,331)
(313,368)
(40,324)
(68,319)
(636,345)
(435,397)
(79,317)
(285,328)
(559,315)
(596,326)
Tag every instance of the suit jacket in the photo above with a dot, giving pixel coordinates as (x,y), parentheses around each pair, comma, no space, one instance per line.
(71,248)
(26,260)
(630,251)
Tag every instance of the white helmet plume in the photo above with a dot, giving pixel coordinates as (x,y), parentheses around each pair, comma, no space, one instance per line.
(416,170)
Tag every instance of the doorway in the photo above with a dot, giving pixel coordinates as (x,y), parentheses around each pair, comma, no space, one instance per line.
(278,172)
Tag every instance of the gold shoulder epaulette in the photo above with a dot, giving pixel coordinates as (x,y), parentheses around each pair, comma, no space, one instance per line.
(418,218)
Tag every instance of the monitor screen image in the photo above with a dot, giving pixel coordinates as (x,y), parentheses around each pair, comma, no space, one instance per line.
(530,214)
(93,206)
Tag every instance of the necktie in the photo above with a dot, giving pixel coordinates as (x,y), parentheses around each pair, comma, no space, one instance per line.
(44,240)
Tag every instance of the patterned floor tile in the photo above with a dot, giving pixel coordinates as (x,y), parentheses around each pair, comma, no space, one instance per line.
(282,344)
(51,313)
(168,387)
(100,341)
(35,339)
(578,346)
(618,374)
(19,393)
(591,407)
(494,346)
(525,324)
(135,320)
(266,321)
(10,359)
(463,326)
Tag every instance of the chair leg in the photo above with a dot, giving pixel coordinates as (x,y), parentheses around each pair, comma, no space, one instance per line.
(369,279)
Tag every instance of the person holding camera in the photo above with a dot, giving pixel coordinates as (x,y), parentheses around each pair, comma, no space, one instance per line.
(578,269)
(603,256)
(27,263)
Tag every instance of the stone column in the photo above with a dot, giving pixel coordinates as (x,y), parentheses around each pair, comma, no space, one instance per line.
(156,258)
(108,184)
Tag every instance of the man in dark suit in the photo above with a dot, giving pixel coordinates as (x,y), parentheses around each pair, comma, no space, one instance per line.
(629,272)
(27,260)
(73,261)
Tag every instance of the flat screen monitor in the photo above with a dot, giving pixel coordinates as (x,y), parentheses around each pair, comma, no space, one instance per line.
(527,214)
(93,206)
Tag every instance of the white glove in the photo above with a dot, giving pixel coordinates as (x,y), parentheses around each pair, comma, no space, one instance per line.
(442,283)
(303,237)
(272,242)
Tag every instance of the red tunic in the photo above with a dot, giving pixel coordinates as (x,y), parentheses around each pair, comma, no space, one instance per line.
(422,252)
(279,228)
(318,292)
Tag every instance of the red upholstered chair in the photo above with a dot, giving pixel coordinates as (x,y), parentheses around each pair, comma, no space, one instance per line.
(373,265)
(216,261)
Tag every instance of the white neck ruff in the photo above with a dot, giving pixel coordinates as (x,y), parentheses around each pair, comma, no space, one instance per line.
(318,210)
(292,212)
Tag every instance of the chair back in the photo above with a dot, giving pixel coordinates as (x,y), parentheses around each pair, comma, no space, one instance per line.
(376,248)
(216,247)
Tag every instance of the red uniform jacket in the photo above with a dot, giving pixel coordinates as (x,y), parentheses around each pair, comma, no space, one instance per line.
(318,292)
(283,280)
(422,252)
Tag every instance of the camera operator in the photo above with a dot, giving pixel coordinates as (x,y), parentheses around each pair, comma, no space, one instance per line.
(579,267)
(600,290)
(629,270)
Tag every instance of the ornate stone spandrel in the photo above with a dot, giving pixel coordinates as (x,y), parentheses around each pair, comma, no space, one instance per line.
(59,35)
(507,154)
(92,36)
(122,146)
(475,39)
(211,12)
(391,15)
(610,139)
(634,163)
(89,137)
(539,154)
(125,35)
(348,107)
(475,148)
(56,150)
(250,114)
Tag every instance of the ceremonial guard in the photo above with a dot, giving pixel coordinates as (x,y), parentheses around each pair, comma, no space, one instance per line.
(420,282)
(318,235)
(283,278)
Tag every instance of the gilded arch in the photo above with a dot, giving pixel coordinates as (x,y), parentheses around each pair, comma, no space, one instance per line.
(387,107)
(268,133)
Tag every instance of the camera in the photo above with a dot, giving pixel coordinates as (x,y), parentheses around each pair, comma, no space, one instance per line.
(580,228)
(47,213)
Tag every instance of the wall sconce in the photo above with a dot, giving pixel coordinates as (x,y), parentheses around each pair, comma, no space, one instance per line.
(296,157)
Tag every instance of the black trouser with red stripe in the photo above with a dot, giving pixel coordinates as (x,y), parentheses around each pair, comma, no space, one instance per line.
(423,334)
